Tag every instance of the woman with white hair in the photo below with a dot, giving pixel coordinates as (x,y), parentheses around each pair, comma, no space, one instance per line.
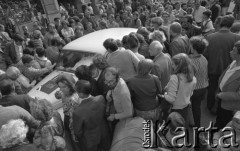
(158,35)
(13,135)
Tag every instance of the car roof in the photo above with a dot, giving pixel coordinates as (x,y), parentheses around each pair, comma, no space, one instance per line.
(93,42)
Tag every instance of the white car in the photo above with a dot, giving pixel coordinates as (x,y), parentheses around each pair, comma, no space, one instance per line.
(76,53)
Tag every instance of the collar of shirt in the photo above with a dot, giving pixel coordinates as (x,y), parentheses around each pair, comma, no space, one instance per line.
(118,86)
(158,56)
(84,100)
(233,67)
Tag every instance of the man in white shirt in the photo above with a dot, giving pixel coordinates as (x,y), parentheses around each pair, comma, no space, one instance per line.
(198,12)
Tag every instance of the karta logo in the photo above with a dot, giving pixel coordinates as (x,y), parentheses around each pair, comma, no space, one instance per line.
(154,135)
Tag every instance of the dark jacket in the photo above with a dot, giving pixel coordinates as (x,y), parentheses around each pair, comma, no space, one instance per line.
(217,52)
(89,124)
(19,100)
(144,90)
(230,92)
(180,44)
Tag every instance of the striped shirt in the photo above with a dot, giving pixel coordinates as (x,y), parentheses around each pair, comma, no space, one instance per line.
(201,74)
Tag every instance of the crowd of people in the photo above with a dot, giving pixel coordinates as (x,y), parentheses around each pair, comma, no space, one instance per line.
(181,54)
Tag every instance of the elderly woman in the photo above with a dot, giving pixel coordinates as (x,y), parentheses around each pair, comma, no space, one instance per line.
(42,110)
(229,89)
(144,89)
(13,136)
(70,100)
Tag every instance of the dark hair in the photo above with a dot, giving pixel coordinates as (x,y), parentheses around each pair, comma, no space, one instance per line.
(18,38)
(140,38)
(81,15)
(144,32)
(227,21)
(208,13)
(70,21)
(76,19)
(27,51)
(237,45)
(65,22)
(7,86)
(83,73)
(30,44)
(83,86)
(125,41)
(27,59)
(68,80)
(189,10)
(199,44)
(203,3)
(56,19)
(183,4)
(183,65)
(229,13)
(189,18)
(235,27)
(54,42)
(132,41)
(152,15)
(110,44)
(40,52)
(100,62)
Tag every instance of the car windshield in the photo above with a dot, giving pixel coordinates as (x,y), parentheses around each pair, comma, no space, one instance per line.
(70,60)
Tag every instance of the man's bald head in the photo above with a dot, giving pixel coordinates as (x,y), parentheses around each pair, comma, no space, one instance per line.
(155,48)
(13,73)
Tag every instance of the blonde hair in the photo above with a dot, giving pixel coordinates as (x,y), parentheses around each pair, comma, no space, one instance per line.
(13,133)
(158,35)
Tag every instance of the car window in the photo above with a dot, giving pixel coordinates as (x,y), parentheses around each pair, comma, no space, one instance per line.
(70,58)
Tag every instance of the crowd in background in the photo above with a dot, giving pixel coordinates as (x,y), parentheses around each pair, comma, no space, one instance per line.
(181,54)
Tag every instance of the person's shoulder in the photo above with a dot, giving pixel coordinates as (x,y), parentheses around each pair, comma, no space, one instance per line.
(99,99)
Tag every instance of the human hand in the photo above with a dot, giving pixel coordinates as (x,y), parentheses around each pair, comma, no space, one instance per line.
(51,67)
(33,82)
(111,117)
(218,96)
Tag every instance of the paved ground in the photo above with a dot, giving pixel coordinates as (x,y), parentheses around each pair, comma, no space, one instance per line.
(206,116)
